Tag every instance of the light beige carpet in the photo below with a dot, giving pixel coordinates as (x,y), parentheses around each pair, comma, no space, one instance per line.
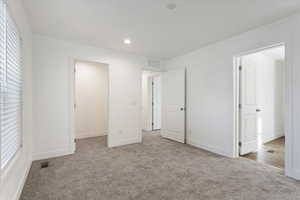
(157,169)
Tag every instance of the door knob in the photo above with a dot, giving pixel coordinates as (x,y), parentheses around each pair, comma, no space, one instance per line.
(182,109)
(258,110)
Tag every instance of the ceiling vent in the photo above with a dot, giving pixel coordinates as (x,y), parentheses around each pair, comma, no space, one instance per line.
(171,6)
(154,63)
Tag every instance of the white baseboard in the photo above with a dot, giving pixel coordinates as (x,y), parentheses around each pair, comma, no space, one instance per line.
(52,154)
(146,130)
(22,182)
(126,141)
(176,137)
(272,137)
(295,174)
(91,135)
(210,148)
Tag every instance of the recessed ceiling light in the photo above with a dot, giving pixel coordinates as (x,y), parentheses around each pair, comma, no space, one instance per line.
(127,41)
(171,6)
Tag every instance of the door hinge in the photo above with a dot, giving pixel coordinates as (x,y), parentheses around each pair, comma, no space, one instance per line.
(74,69)
(75,105)
(240,67)
(240,144)
(240,106)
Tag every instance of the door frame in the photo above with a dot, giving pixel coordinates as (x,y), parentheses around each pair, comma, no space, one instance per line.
(287,101)
(152,73)
(152,99)
(72,100)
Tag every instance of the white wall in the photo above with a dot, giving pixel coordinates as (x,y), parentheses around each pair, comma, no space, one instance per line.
(12,179)
(91,91)
(53,83)
(210,91)
(270,73)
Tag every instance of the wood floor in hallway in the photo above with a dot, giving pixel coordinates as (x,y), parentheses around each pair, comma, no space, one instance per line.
(271,153)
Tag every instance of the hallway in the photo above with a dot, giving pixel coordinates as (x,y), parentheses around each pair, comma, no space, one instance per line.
(271,153)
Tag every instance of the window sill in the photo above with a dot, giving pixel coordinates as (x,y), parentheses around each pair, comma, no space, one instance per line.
(10,165)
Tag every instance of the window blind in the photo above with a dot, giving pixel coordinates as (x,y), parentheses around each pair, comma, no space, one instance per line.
(10,87)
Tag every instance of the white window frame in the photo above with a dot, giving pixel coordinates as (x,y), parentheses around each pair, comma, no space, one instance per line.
(5,170)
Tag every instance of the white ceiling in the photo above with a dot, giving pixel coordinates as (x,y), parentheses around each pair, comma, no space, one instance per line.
(155,31)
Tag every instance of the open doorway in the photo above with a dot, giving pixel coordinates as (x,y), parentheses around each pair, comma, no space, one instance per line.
(91,101)
(151,102)
(262,106)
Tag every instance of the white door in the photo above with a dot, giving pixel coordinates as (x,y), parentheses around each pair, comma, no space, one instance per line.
(248,107)
(156,95)
(173,101)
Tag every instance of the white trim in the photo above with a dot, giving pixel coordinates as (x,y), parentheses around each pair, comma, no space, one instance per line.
(8,170)
(287,104)
(122,142)
(22,182)
(151,75)
(293,174)
(209,148)
(72,135)
(288,114)
(91,135)
(177,137)
(188,113)
(236,100)
(10,22)
(147,130)
(272,137)
(52,154)
(11,164)
(150,102)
